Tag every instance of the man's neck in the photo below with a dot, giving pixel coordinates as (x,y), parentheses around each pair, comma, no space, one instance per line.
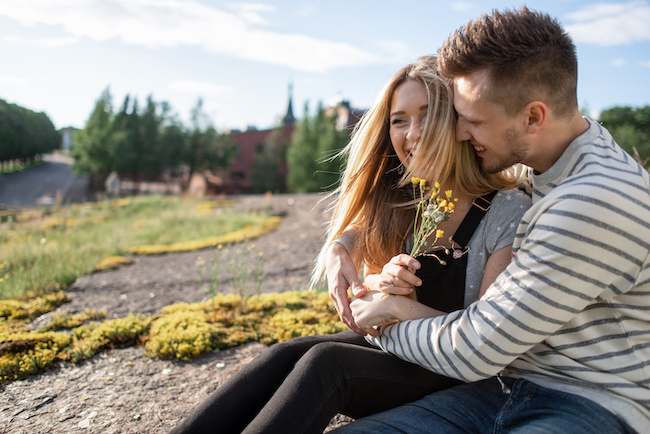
(557,140)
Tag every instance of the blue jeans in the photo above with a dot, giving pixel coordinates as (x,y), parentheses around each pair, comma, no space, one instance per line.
(518,406)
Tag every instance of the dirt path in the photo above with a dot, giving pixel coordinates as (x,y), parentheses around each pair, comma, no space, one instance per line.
(123,391)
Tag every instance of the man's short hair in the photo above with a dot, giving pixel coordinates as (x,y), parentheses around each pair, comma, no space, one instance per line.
(528,55)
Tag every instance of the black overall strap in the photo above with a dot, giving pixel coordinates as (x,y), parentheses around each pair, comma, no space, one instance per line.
(443,286)
(480,206)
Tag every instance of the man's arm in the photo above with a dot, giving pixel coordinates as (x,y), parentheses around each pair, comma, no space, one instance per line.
(565,263)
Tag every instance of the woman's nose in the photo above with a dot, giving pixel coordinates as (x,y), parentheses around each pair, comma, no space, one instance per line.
(414,132)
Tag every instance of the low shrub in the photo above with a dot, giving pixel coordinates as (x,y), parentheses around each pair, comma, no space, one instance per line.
(181,335)
(183,331)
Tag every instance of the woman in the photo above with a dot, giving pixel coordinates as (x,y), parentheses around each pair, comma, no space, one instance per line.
(298,385)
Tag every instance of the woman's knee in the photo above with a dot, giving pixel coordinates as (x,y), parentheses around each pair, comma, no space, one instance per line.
(326,357)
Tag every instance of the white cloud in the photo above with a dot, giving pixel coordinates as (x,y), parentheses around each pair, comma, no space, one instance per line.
(462,6)
(199,87)
(646,63)
(609,24)
(57,42)
(252,12)
(618,62)
(12,38)
(5,79)
(182,23)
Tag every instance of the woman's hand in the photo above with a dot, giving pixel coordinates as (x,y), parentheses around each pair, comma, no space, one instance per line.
(341,275)
(397,276)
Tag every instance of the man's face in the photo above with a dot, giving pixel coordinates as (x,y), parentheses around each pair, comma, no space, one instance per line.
(496,137)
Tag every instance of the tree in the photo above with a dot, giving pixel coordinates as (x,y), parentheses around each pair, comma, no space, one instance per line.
(301,156)
(205,148)
(149,135)
(25,134)
(330,142)
(267,173)
(630,127)
(93,147)
(315,141)
(124,130)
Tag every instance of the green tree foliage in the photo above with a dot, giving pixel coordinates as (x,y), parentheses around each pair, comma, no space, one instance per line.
(630,127)
(142,144)
(268,172)
(205,149)
(94,147)
(311,156)
(25,134)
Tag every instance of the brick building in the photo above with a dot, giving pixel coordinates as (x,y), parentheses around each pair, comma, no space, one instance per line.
(254,144)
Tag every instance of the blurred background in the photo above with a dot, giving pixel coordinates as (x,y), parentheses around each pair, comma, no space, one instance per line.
(224,97)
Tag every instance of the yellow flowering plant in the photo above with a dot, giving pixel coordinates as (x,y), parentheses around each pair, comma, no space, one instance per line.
(431,210)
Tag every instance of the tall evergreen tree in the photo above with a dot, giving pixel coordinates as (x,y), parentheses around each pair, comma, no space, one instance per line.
(92,147)
(151,163)
(302,154)
(315,142)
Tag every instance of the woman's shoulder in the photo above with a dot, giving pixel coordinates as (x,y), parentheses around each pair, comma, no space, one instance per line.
(514,198)
(509,205)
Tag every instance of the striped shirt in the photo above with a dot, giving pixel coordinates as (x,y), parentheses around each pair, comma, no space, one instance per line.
(572,309)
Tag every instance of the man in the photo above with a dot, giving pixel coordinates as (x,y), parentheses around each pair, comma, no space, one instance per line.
(561,341)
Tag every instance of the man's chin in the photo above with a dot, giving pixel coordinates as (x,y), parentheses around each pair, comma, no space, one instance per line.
(493,168)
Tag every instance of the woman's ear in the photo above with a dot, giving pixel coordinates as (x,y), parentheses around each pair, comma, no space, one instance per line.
(536,115)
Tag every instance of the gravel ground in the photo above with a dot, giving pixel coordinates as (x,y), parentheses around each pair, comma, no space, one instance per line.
(122,390)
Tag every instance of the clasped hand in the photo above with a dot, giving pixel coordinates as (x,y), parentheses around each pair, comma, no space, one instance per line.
(377,307)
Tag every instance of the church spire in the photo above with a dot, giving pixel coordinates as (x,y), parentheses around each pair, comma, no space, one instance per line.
(288,118)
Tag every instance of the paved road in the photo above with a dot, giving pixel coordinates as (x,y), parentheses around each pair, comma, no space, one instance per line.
(43,185)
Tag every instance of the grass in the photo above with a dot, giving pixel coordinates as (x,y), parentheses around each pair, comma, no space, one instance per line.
(15,166)
(44,250)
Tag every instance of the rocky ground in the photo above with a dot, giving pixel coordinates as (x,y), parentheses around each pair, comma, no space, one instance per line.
(122,390)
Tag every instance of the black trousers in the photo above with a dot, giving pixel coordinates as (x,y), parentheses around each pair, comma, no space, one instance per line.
(297,386)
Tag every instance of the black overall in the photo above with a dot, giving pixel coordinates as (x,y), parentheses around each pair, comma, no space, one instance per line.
(298,385)
(443,286)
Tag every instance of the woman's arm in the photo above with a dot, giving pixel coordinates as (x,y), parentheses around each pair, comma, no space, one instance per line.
(375,308)
(496,263)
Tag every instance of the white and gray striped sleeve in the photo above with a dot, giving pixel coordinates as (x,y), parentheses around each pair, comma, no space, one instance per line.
(576,246)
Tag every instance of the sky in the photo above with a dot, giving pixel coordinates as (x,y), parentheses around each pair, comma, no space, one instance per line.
(241,58)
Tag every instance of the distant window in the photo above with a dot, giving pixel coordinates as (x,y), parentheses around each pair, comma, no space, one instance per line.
(238,176)
(259,149)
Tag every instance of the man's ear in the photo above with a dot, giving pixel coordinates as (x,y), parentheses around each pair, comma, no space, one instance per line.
(536,116)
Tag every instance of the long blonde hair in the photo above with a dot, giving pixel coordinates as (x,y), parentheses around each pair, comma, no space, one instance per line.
(373,197)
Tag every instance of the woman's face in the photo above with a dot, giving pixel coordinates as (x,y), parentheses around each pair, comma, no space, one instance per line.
(408,108)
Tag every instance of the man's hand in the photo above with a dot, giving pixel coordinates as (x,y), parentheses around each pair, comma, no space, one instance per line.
(342,275)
